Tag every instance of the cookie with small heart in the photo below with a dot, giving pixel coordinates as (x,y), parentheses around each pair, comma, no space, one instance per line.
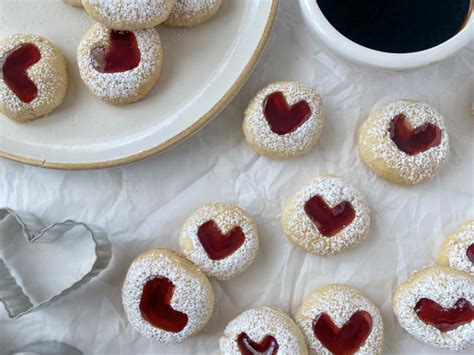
(222,239)
(436,306)
(326,216)
(263,330)
(120,67)
(166,297)
(405,142)
(33,77)
(189,13)
(457,250)
(284,120)
(339,319)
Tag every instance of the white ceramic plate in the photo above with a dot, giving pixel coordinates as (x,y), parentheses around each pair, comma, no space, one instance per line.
(204,67)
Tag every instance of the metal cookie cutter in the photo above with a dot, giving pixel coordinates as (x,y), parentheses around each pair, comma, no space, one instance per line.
(47,348)
(17,302)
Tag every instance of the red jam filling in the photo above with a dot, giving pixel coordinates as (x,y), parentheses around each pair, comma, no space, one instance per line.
(268,345)
(218,245)
(413,140)
(282,117)
(155,306)
(15,65)
(346,340)
(470,253)
(444,319)
(329,221)
(122,54)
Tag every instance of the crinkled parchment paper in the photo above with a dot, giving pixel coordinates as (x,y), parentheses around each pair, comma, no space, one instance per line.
(144,205)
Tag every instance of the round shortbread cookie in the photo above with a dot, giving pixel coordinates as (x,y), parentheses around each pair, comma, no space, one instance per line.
(76,3)
(189,13)
(33,77)
(284,120)
(405,142)
(334,309)
(166,297)
(457,250)
(222,239)
(263,330)
(326,217)
(112,70)
(421,303)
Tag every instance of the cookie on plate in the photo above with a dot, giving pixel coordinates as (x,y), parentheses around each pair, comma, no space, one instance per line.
(284,120)
(129,15)
(457,250)
(338,319)
(436,306)
(166,297)
(33,77)
(120,67)
(76,3)
(263,330)
(405,142)
(220,238)
(326,217)
(189,13)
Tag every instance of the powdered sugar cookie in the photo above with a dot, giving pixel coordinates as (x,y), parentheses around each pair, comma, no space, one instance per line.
(436,306)
(222,239)
(262,330)
(284,120)
(166,297)
(405,142)
(120,67)
(188,13)
(33,77)
(76,3)
(338,319)
(327,216)
(457,250)
(129,15)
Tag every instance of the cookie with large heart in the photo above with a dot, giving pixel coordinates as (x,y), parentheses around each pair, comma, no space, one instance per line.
(284,120)
(326,216)
(338,319)
(457,250)
(220,238)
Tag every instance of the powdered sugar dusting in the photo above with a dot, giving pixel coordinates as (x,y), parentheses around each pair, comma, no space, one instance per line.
(192,295)
(340,302)
(192,8)
(226,218)
(444,286)
(302,231)
(413,168)
(458,244)
(120,86)
(258,131)
(260,322)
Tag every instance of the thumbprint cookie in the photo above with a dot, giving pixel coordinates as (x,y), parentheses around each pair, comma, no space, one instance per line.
(284,120)
(457,250)
(129,15)
(188,13)
(263,330)
(436,306)
(326,217)
(222,239)
(338,319)
(166,297)
(405,142)
(120,67)
(76,3)
(33,77)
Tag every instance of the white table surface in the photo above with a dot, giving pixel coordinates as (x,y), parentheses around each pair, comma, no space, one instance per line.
(143,205)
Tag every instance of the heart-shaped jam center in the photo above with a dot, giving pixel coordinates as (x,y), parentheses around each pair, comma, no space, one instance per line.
(329,221)
(346,340)
(413,140)
(15,65)
(122,54)
(267,346)
(282,117)
(218,245)
(155,306)
(445,319)
(470,253)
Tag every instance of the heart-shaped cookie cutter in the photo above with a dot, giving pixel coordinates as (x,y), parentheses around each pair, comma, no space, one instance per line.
(17,303)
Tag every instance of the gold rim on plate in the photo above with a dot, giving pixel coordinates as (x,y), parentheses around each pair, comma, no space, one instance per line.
(196,126)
